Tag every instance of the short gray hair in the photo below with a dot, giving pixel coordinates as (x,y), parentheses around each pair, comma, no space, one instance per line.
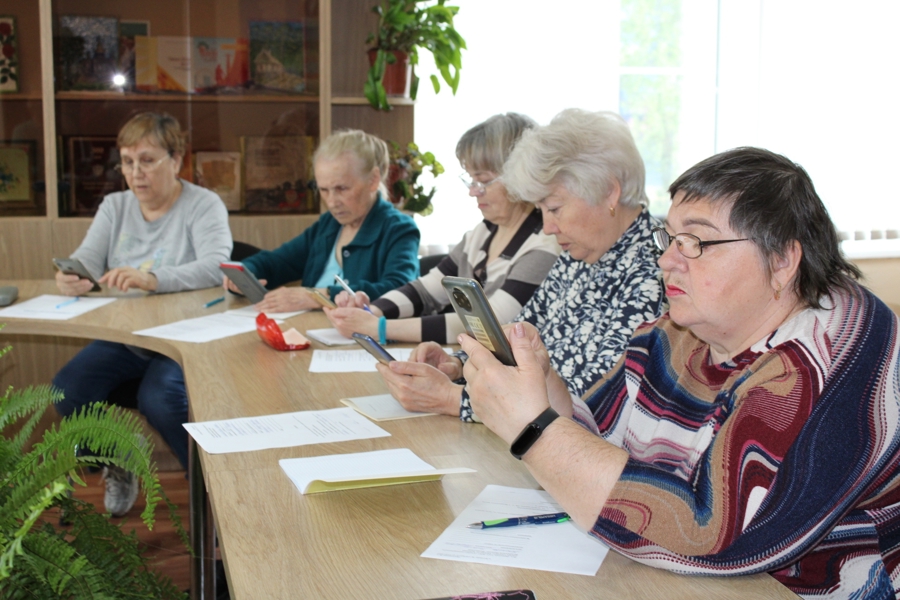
(582,150)
(371,151)
(486,146)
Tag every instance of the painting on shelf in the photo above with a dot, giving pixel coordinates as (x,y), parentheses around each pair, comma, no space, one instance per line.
(18,176)
(9,55)
(87,52)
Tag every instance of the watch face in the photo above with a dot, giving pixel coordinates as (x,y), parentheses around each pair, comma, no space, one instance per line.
(525,440)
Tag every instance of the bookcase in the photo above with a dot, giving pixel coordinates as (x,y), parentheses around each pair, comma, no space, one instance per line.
(36,228)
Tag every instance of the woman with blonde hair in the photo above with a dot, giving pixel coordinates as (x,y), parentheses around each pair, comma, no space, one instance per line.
(362,237)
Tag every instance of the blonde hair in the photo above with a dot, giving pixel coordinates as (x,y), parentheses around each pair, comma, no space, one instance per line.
(486,146)
(371,151)
(162,128)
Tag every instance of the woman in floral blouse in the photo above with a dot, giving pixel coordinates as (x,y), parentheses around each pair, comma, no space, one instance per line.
(584,172)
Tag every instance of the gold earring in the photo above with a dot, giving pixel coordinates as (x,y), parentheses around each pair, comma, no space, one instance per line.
(612,211)
(778,293)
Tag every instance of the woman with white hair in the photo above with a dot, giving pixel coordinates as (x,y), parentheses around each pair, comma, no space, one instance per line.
(585,174)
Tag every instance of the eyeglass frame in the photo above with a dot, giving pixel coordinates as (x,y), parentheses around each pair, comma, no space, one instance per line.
(480,188)
(655,231)
(135,165)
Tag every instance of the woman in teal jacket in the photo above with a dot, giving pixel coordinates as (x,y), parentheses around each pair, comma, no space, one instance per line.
(362,238)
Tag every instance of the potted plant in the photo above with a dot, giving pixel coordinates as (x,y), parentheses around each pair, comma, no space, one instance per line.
(404,28)
(91,557)
(407,165)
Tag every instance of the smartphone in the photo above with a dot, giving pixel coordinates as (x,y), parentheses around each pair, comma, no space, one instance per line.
(73,266)
(373,347)
(244,280)
(477,316)
(321,298)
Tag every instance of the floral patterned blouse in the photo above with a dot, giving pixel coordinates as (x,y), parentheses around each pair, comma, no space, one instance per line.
(586,313)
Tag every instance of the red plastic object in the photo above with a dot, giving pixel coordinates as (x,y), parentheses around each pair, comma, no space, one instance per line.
(271,334)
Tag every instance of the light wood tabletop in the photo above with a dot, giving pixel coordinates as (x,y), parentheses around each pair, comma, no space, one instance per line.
(362,543)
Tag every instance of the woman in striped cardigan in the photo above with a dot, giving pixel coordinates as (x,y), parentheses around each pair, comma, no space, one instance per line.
(755,427)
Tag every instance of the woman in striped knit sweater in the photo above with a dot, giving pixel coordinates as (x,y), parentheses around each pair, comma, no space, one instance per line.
(507,252)
(755,427)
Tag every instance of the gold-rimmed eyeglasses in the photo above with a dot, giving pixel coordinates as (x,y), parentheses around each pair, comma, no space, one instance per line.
(688,244)
(146,164)
(479,188)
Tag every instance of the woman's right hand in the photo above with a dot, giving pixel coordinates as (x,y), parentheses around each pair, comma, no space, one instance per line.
(421,388)
(357,300)
(537,344)
(228,285)
(431,353)
(72,285)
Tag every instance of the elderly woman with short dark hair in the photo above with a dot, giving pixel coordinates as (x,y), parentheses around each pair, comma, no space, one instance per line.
(756,425)
(585,174)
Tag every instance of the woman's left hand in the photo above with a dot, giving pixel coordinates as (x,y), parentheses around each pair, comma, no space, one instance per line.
(126,278)
(353,320)
(505,398)
(286,299)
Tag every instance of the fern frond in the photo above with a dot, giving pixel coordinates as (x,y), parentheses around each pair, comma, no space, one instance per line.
(13,547)
(19,403)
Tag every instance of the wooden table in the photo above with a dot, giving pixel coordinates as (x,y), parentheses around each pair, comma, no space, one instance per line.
(365,543)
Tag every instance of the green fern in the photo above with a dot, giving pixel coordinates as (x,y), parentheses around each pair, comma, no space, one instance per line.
(93,558)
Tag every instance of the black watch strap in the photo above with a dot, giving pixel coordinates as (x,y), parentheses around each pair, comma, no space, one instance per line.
(532,432)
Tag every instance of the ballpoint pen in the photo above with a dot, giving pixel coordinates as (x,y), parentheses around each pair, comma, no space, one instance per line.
(68,302)
(348,289)
(214,302)
(513,521)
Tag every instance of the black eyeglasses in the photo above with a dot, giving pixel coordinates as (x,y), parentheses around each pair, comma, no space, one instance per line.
(689,245)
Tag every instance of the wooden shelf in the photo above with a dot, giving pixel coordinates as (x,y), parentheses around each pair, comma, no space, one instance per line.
(20,96)
(356,101)
(132,97)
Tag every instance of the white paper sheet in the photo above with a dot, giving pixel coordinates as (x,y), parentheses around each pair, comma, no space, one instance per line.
(350,361)
(54,308)
(284,430)
(360,469)
(202,329)
(250,311)
(559,547)
(329,337)
(382,407)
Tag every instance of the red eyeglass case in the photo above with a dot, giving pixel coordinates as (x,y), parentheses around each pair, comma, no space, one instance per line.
(271,334)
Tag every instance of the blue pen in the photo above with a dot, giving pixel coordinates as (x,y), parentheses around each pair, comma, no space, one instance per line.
(68,302)
(532,520)
(349,290)
(214,302)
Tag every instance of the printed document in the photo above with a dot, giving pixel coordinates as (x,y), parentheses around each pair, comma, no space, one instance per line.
(382,407)
(54,308)
(250,311)
(350,361)
(329,337)
(202,329)
(560,547)
(361,469)
(284,430)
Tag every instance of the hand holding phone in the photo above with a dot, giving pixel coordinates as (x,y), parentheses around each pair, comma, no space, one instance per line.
(73,266)
(244,280)
(321,298)
(373,348)
(478,317)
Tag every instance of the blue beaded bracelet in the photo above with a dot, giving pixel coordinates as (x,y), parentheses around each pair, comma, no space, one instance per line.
(382,330)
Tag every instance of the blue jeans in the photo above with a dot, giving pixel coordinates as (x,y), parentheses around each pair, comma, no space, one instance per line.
(162,398)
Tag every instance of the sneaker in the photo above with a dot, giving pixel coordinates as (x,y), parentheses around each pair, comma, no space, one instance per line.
(121,490)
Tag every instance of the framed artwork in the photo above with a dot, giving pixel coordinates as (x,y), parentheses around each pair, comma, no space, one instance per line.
(277,171)
(18,172)
(221,173)
(87,52)
(9,56)
(91,169)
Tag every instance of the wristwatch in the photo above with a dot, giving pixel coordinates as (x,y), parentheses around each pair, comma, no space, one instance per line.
(532,432)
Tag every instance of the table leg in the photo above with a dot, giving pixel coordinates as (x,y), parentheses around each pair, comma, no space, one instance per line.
(202,532)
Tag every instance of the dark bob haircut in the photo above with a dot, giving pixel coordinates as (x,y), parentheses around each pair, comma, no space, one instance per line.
(773,202)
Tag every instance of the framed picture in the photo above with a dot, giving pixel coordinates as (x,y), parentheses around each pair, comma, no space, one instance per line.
(277,171)
(221,173)
(86,52)
(9,55)
(91,169)
(18,172)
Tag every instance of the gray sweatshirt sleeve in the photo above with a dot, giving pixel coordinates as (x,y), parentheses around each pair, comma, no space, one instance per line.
(210,238)
(94,249)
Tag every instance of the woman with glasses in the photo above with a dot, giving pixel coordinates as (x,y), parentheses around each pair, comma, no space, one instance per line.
(755,427)
(361,238)
(507,252)
(583,171)
(162,235)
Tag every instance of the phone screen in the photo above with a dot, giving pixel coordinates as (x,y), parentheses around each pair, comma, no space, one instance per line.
(373,348)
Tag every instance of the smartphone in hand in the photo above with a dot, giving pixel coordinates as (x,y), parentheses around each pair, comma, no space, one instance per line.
(73,266)
(320,298)
(244,280)
(477,316)
(373,348)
